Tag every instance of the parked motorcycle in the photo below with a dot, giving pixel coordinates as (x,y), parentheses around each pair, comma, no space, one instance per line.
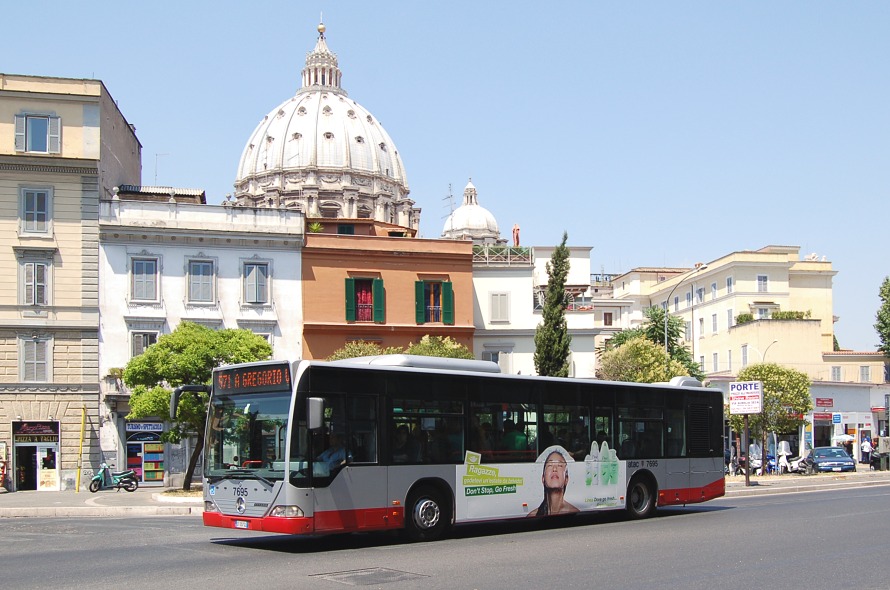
(793,465)
(105,479)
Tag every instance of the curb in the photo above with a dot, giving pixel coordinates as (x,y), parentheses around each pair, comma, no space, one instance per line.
(90,511)
(759,490)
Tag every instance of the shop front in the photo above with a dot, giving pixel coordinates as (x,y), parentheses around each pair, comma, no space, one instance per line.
(145,451)
(36,455)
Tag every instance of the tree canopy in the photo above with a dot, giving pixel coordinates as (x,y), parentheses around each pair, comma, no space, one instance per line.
(552,340)
(882,325)
(186,356)
(653,331)
(638,360)
(441,346)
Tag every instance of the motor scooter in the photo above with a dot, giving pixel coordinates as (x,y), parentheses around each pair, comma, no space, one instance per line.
(105,479)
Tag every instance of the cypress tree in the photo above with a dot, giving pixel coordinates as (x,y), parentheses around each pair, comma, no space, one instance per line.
(552,338)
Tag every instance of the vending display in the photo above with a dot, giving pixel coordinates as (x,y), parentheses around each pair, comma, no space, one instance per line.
(145,452)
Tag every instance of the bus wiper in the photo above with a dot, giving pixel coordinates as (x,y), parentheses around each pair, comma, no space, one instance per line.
(249,473)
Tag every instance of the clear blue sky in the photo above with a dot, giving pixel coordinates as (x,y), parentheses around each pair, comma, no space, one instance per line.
(660,133)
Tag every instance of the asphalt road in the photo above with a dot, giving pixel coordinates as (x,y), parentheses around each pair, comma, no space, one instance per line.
(828,539)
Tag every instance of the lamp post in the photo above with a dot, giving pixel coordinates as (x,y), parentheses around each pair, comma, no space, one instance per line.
(763,356)
(667,305)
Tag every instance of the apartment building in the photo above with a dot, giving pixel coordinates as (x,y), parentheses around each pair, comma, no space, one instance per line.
(63,146)
(166,257)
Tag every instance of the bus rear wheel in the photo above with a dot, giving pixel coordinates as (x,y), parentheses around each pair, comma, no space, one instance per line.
(640,498)
(430,514)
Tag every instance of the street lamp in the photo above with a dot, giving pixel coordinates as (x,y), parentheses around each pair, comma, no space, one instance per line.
(667,305)
(763,356)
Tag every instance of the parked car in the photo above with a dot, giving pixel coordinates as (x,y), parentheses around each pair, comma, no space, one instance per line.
(829,459)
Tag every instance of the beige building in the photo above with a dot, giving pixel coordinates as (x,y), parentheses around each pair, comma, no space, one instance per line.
(63,145)
(748,307)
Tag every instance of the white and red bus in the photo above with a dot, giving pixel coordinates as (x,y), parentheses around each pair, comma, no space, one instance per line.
(421,444)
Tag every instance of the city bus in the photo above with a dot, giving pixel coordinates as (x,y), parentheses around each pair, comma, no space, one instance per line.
(421,444)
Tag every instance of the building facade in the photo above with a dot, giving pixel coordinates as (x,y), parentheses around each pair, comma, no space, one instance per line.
(391,291)
(63,146)
(162,262)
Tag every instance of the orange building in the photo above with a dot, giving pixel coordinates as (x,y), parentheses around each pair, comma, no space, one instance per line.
(362,284)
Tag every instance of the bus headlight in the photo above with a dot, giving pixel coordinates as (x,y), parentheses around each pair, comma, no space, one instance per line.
(210,506)
(287,511)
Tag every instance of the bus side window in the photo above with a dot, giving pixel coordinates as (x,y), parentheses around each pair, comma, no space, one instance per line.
(363,429)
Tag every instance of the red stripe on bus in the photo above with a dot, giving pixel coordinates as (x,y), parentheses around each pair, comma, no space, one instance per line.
(713,490)
(334,521)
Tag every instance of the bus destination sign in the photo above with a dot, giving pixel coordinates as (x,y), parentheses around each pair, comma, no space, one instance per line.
(252,379)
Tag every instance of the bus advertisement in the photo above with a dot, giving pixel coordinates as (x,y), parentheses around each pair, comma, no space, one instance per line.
(421,444)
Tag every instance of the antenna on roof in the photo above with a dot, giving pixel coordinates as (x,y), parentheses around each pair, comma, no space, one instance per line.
(156,166)
(450,198)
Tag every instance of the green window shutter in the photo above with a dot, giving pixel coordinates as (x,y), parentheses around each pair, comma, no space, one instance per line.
(350,300)
(447,304)
(419,303)
(379,301)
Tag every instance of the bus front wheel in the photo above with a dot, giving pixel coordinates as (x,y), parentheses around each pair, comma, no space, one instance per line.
(430,515)
(640,498)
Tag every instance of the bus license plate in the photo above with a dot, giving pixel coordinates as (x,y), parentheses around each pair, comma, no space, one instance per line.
(241,524)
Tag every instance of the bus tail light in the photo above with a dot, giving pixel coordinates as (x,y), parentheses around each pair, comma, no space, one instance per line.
(287,511)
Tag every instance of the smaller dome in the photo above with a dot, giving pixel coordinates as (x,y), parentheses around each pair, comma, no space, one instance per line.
(471,221)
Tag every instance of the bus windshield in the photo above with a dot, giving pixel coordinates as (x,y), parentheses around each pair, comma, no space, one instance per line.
(246,435)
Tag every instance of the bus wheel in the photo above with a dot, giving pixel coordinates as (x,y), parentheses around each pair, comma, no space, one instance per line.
(640,498)
(429,517)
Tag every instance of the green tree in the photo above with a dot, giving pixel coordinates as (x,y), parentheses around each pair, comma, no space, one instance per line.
(883,317)
(786,398)
(358,348)
(638,360)
(552,340)
(186,356)
(443,346)
(653,330)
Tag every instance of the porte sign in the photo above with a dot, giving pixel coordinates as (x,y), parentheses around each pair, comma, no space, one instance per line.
(745,397)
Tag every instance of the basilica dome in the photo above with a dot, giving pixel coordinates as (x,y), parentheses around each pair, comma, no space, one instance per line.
(324,154)
(471,221)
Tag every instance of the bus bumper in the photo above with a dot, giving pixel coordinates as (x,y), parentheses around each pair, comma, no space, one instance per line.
(268,524)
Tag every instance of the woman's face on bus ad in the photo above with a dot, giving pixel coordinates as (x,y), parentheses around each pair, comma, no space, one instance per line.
(555,471)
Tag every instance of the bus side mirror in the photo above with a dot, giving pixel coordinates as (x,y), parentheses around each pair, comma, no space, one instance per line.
(315,412)
(174,402)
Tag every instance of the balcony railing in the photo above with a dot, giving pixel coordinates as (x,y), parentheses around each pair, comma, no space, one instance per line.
(494,255)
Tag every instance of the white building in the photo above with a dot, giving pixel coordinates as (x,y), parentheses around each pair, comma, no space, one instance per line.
(164,262)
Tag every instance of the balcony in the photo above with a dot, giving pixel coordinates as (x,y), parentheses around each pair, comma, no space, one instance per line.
(496,255)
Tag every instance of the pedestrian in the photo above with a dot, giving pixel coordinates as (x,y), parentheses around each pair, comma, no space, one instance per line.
(866,450)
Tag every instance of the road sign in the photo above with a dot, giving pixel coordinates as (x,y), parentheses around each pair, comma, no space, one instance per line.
(745,397)
(836,418)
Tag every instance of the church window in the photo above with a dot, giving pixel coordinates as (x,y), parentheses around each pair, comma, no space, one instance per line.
(370,120)
(301,111)
(359,139)
(350,113)
(326,111)
(365,300)
(382,146)
(328,135)
(296,135)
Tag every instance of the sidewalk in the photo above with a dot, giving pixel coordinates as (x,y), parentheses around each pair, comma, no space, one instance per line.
(792,482)
(142,502)
(152,502)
